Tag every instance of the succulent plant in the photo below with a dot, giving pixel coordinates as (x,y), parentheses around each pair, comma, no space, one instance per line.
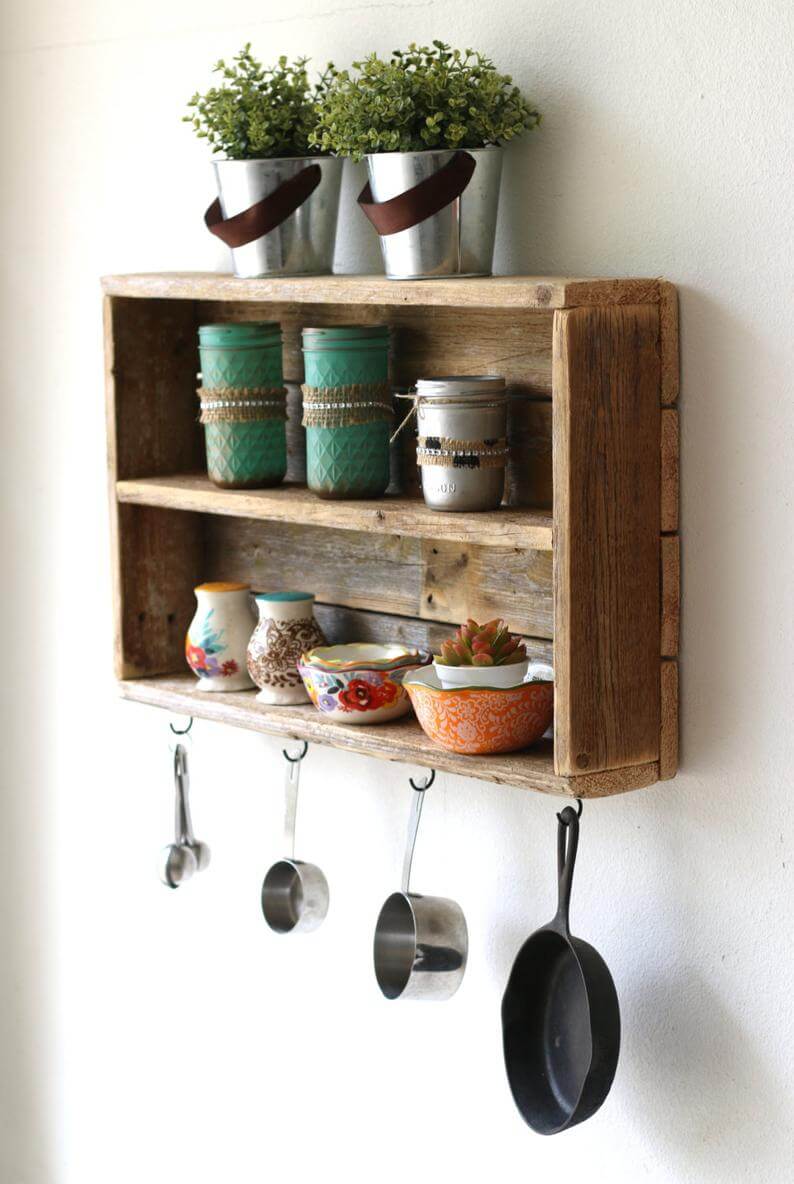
(482,645)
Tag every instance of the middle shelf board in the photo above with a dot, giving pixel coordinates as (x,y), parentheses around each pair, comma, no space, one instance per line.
(387,515)
(402,740)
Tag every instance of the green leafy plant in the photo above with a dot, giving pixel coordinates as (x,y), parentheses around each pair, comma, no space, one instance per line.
(425,97)
(482,645)
(259,111)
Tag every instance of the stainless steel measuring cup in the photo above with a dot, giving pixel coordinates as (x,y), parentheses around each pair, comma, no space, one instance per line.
(421,942)
(295,894)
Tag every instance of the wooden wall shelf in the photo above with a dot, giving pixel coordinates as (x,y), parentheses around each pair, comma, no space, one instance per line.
(584,561)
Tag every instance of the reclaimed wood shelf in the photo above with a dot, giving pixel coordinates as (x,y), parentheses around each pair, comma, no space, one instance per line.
(583,559)
(387,515)
(402,741)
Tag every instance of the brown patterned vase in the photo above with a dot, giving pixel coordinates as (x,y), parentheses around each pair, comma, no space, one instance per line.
(286,629)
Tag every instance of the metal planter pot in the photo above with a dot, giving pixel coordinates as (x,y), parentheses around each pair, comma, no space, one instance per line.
(435,211)
(278,216)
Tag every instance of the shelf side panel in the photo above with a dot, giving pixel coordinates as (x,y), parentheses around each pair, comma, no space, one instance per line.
(606,368)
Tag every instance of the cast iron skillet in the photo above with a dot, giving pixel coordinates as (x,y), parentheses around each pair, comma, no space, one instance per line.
(560,1015)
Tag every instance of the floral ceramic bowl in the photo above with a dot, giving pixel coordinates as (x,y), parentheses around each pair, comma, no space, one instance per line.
(359,696)
(478,720)
(360,655)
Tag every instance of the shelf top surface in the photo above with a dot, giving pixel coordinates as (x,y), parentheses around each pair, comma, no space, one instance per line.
(387,515)
(402,740)
(512,291)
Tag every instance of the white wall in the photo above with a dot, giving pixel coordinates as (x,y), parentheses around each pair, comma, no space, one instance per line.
(147,1036)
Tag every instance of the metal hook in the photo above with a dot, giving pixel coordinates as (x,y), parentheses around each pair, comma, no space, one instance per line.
(427,783)
(294,760)
(579,808)
(181,731)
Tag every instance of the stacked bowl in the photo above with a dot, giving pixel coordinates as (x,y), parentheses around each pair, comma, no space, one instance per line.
(360,683)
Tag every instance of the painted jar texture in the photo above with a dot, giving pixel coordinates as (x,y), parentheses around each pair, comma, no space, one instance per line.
(217,638)
(243,404)
(286,629)
(347,410)
(462,442)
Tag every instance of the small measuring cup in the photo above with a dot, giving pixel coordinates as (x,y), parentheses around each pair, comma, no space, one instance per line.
(421,942)
(295,894)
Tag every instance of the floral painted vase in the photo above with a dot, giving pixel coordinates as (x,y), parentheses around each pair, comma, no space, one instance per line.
(285,630)
(216,641)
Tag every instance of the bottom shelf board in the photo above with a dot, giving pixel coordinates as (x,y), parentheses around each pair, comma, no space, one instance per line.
(402,741)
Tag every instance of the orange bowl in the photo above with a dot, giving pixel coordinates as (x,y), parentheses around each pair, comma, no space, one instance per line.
(479,720)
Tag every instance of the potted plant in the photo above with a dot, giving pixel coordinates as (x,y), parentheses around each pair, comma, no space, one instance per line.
(277,203)
(482,656)
(430,122)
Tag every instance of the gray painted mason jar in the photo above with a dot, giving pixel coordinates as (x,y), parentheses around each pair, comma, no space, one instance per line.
(462,443)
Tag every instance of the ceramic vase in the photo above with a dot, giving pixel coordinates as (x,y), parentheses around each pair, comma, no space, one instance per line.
(216,641)
(286,629)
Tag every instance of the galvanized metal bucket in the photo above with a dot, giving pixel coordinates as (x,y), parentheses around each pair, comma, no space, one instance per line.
(435,211)
(462,446)
(278,216)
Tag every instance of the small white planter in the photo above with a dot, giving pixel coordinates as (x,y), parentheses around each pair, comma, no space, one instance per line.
(482,676)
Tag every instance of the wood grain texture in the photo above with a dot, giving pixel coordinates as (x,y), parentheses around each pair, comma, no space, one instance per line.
(340,624)
(528,480)
(668,748)
(671,594)
(393,574)
(401,741)
(606,523)
(513,291)
(670,470)
(383,516)
(668,330)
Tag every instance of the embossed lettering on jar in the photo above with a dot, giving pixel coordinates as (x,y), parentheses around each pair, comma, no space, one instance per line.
(462,442)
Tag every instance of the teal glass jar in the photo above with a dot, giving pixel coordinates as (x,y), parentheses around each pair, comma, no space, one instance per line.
(347,410)
(243,404)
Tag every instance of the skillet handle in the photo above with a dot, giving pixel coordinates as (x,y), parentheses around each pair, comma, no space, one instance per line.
(567,843)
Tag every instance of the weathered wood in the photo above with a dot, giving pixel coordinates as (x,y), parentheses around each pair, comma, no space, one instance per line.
(668,745)
(606,524)
(402,740)
(670,470)
(340,624)
(671,578)
(512,291)
(383,516)
(668,332)
(393,574)
(528,480)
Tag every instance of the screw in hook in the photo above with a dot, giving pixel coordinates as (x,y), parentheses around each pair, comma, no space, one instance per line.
(181,731)
(427,783)
(294,760)
(579,808)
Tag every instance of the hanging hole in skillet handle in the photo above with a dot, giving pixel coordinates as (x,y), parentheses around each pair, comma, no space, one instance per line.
(579,808)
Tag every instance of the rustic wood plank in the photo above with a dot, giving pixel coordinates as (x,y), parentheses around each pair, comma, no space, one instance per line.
(401,741)
(528,480)
(606,523)
(668,745)
(340,624)
(388,574)
(668,333)
(382,516)
(671,595)
(514,291)
(670,470)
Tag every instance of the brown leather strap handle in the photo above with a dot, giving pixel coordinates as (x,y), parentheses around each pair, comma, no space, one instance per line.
(264,215)
(423,200)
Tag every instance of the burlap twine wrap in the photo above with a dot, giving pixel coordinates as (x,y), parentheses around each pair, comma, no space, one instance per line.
(241,404)
(462,454)
(341,406)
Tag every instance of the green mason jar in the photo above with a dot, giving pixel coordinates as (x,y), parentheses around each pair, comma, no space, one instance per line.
(347,410)
(243,404)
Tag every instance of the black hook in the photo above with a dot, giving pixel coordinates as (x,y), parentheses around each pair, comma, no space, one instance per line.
(293,760)
(181,731)
(427,784)
(579,808)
